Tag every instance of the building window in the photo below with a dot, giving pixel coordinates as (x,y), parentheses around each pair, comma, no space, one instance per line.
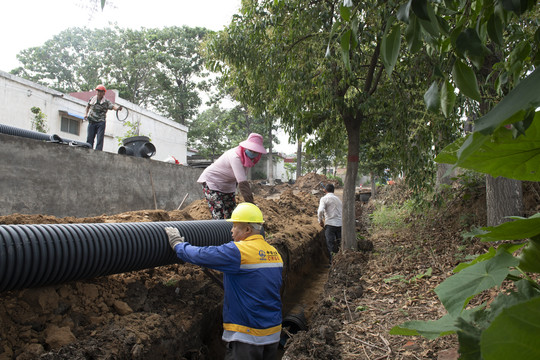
(70,125)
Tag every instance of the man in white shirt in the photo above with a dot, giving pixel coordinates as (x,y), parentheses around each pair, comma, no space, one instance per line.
(329,216)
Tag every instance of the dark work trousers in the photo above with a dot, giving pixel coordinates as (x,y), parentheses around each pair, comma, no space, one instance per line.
(96,129)
(333,239)
(241,351)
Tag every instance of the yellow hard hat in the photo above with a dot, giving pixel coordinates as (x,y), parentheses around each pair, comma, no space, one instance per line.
(248,213)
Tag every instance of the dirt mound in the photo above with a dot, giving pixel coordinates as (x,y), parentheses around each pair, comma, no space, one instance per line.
(166,312)
(312,181)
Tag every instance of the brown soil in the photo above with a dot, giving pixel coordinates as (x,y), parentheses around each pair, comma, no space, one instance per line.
(173,312)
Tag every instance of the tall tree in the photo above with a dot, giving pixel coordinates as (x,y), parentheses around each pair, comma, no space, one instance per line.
(160,69)
(180,71)
(216,130)
(275,52)
(488,46)
(316,65)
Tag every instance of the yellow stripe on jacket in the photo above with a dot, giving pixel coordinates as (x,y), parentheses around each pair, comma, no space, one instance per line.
(252,331)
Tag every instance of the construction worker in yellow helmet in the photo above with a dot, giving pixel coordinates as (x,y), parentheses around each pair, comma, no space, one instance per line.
(252,279)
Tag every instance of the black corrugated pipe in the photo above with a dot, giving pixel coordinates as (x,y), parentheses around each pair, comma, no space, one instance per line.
(10,130)
(138,146)
(40,255)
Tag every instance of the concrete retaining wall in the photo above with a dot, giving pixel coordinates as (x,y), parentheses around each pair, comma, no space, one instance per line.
(45,178)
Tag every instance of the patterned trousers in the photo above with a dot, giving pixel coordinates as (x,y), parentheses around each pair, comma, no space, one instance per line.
(221,205)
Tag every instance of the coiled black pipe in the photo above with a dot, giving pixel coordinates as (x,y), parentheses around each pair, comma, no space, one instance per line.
(10,130)
(40,255)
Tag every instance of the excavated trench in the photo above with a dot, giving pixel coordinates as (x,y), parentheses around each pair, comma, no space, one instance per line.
(47,310)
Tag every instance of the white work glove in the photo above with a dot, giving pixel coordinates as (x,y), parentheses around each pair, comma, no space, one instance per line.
(174,236)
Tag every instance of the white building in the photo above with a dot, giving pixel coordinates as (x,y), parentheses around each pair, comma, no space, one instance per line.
(64,117)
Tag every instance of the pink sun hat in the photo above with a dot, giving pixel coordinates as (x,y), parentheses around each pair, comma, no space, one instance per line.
(254,142)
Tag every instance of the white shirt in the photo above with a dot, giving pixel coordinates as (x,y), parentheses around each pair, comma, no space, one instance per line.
(330,207)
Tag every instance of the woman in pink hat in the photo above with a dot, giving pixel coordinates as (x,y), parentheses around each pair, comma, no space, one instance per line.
(220,179)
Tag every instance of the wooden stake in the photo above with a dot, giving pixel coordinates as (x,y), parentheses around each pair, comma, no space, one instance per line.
(179,206)
(153,189)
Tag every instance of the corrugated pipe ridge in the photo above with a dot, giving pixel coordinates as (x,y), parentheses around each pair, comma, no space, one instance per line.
(10,130)
(48,254)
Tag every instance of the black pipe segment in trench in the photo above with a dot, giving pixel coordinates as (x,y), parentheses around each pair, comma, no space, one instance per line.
(49,254)
(10,130)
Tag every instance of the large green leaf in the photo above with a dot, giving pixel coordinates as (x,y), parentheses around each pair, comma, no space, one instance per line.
(514,333)
(448,98)
(456,291)
(431,97)
(466,80)
(525,95)
(520,228)
(510,248)
(469,341)
(499,154)
(468,42)
(420,8)
(345,47)
(403,12)
(529,260)
(431,329)
(413,35)
(495,29)
(390,48)
(516,6)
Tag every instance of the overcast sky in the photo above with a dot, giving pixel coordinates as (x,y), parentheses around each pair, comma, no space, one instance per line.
(29,23)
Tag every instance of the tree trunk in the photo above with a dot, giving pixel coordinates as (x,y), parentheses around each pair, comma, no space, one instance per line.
(299,160)
(373,185)
(348,230)
(442,176)
(504,197)
(270,163)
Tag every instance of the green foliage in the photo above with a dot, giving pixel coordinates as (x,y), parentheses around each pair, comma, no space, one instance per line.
(337,178)
(39,121)
(161,68)
(499,154)
(215,130)
(391,217)
(511,317)
(290,169)
(132,130)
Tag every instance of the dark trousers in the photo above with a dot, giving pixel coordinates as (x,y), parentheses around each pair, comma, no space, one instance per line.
(333,239)
(241,351)
(96,129)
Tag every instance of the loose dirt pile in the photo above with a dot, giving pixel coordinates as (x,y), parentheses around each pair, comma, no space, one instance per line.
(174,312)
(167,312)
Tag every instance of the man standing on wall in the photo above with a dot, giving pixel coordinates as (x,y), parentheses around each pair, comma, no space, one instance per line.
(330,207)
(96,113)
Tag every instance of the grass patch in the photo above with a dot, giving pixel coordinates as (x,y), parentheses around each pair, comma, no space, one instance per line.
(391,217)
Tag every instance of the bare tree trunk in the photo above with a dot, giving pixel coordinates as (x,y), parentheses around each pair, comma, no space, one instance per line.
(504,197)
(348,229)
(442,176)
(373,185)
(270,163)
(299,160)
